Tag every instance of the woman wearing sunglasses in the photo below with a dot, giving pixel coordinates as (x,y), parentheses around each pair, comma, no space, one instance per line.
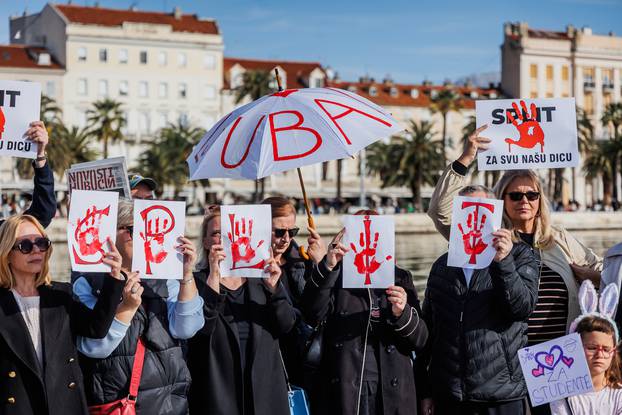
(234,359)
(39,320)
(162,313)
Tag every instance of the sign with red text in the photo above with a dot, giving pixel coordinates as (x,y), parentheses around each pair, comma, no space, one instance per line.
(92,219)
(473,220)
(246,235)
(556,369)
(370,261)
(158,224)
(108,174)
(19,106)
(528,133)
(289,129)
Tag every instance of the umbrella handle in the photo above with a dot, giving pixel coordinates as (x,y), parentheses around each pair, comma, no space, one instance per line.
(278,79)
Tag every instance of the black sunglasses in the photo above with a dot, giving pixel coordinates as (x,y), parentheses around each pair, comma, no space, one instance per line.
(279,233)
(25,246)
(518,196)
(129,228)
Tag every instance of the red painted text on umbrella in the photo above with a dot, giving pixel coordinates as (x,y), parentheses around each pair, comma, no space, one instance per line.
(365,256)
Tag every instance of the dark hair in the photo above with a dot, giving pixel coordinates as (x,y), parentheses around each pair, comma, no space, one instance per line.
(366,212)
(613,374)
(281,206)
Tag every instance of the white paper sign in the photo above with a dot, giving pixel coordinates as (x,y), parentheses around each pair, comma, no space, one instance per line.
(92,219)
(246,235)
(528,133)
(19,106)
(108,174)
(473,220)
(370,262)
(555,369)
(158,225)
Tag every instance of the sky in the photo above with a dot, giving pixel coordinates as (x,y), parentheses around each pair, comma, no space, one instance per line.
(408,40)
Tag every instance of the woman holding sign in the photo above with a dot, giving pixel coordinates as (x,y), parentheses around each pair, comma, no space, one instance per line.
(526,213)
(39,320)
(234,359)
(159,313)
(369,338)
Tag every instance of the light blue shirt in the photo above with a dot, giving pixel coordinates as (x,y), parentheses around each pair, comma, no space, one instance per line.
(468,274)
(185,318)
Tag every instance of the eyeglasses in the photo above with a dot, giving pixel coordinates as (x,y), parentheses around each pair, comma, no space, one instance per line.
(518,196)
(25,246)
(592,349)
(279,233)
(129,229)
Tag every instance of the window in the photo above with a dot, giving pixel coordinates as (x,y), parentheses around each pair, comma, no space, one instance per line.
(143,89)
(565,73)
(373,91)
(50,89)
(209,61)
(144,123)
(183,119)
(533,94)
(474,95)
(351,88)
(182,60)
(82,86)
(549,72)
(162,58)
(162,119)
(608,78)
(102,89)
(123,88)
(183,91)
(588,104)
(393,91)
(82,118)
(414,93)
(588,75)
(533,71)
(163,90)
(210,92)
(82,54)
(123,55)
(433,94)
(103,55)
(318,83)
(143,57)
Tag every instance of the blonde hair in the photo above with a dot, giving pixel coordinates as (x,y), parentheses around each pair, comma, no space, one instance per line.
(8,236)
(281,206)
(543,237)
(212,212)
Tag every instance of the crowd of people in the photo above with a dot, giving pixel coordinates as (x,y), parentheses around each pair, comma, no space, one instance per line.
(217,344)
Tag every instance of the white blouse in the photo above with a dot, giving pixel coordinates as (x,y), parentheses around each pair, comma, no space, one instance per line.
(29,308)
(607,401)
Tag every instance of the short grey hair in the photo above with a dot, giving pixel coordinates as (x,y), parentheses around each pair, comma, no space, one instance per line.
(472,188)
(125,215)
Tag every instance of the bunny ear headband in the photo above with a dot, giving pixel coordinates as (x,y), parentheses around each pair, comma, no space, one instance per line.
(591,306)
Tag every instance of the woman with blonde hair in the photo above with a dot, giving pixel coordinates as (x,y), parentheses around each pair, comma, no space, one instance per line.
(564,260)
(39,321)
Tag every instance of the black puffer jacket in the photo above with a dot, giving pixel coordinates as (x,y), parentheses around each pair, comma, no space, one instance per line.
(476,331)
(165,378)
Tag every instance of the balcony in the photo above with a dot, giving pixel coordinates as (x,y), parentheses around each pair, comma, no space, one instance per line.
(608,87)
(589,86)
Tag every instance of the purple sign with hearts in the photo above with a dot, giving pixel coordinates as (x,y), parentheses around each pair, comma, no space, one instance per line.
(555,369)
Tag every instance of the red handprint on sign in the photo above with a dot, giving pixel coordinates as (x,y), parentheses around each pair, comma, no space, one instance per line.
(2,122)
(241,250)
(529,129)
(473,242)
(159,224)
(86,236)
(365,260)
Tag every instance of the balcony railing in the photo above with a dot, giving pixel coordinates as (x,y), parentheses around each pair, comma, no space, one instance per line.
(589,85)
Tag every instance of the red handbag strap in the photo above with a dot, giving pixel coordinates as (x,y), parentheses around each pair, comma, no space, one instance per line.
(137,369)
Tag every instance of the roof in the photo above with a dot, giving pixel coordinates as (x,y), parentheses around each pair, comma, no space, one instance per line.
(548,34)
(297,73)
(116,17)
(20,56)
(404,97)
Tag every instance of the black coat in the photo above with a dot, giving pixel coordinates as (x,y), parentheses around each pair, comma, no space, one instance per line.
(347,313)
(218,384)
(165,377)
(25,388)
(476,331)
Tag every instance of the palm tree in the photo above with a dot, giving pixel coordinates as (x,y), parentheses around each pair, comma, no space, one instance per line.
(106,120)
(165,158)
(612,117)
(411,160)
(585,134)
(445,102)
(598,163)
(71,145)
(255,84)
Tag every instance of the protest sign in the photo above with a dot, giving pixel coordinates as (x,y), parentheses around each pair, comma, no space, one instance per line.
(473,220)
(92,219)
(370,262)
(158,225)
(555,369)
(19,106)
(246,235)
(108,174)
(528,133)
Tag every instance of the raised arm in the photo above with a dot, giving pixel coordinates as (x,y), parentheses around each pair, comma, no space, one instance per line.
(43,206)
